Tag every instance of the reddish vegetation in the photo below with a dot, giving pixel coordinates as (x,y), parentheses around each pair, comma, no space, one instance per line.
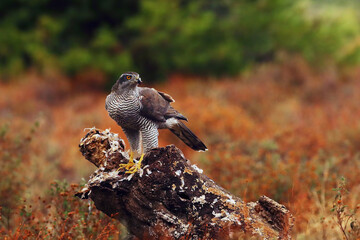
(286,131)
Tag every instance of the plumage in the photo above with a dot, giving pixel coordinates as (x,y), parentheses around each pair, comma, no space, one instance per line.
(156,105)
(153,105)
(141,111)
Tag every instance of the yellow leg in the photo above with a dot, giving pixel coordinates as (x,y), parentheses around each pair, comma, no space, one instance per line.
(136,166)
(128,165)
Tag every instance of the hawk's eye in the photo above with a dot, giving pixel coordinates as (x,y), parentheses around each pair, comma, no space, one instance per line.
(128,77)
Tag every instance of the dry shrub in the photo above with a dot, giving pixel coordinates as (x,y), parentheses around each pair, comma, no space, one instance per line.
(283,130)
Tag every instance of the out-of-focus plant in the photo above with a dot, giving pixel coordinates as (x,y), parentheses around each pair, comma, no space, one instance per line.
(61,215)
(55,212)
(281,131)
(71,35)
(160,37)
(343,215)
(13,154)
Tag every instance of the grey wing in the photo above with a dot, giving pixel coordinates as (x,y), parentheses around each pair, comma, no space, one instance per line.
(156,105)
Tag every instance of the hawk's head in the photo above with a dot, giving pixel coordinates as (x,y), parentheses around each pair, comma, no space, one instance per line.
(127,81)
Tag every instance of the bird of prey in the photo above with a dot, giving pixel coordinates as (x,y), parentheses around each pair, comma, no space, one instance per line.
(140,112)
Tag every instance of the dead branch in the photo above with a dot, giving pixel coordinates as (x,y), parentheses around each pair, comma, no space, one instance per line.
(172,199)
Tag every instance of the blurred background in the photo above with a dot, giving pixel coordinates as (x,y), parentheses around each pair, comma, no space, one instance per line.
(271,87)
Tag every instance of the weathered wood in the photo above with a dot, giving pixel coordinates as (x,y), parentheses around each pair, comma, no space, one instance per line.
(172,199)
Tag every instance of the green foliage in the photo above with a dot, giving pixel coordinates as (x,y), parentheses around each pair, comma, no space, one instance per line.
(157,37)
(72,35)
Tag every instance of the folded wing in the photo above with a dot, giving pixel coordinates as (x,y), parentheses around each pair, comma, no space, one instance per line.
(156,105)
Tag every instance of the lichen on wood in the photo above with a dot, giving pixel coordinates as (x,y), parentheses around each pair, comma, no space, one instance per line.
(171,198)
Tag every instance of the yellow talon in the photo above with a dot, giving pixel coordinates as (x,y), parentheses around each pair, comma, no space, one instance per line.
(128,165)
(136,166)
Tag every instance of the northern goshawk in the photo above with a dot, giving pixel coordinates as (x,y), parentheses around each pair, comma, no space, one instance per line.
(140,112)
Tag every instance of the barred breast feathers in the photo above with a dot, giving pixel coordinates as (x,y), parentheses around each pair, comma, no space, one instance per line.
(125,110)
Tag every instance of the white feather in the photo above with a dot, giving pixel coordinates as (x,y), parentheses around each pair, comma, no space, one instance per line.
(170,122)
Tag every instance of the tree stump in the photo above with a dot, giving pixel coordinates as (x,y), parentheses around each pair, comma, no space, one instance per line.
(171,199)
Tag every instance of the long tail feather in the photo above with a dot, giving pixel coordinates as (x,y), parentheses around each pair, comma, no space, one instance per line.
(187,136)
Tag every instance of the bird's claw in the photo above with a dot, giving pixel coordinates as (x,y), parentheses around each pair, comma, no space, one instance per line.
(134,168)
(131,167)
(126,166)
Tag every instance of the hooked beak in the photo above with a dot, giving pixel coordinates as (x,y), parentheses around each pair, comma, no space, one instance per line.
(139,80)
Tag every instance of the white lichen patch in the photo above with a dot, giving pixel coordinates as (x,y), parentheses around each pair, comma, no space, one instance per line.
(112,177)
(200,200)
(230,217)
(199,170)
(90,129)
(129,177)
(141,172)
(178,172)
(181,227)
(182,183)
(217,215)
(115,146)
(226,216)
(182,154)
(205,188)
(167,217)
(113,174)
(231,201)
(258,231)
(85,191)
(113,138)
(115,185)
(213,203)
(116,143)
(96,178)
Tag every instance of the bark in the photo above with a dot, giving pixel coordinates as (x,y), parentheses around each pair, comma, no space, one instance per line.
(171,199)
